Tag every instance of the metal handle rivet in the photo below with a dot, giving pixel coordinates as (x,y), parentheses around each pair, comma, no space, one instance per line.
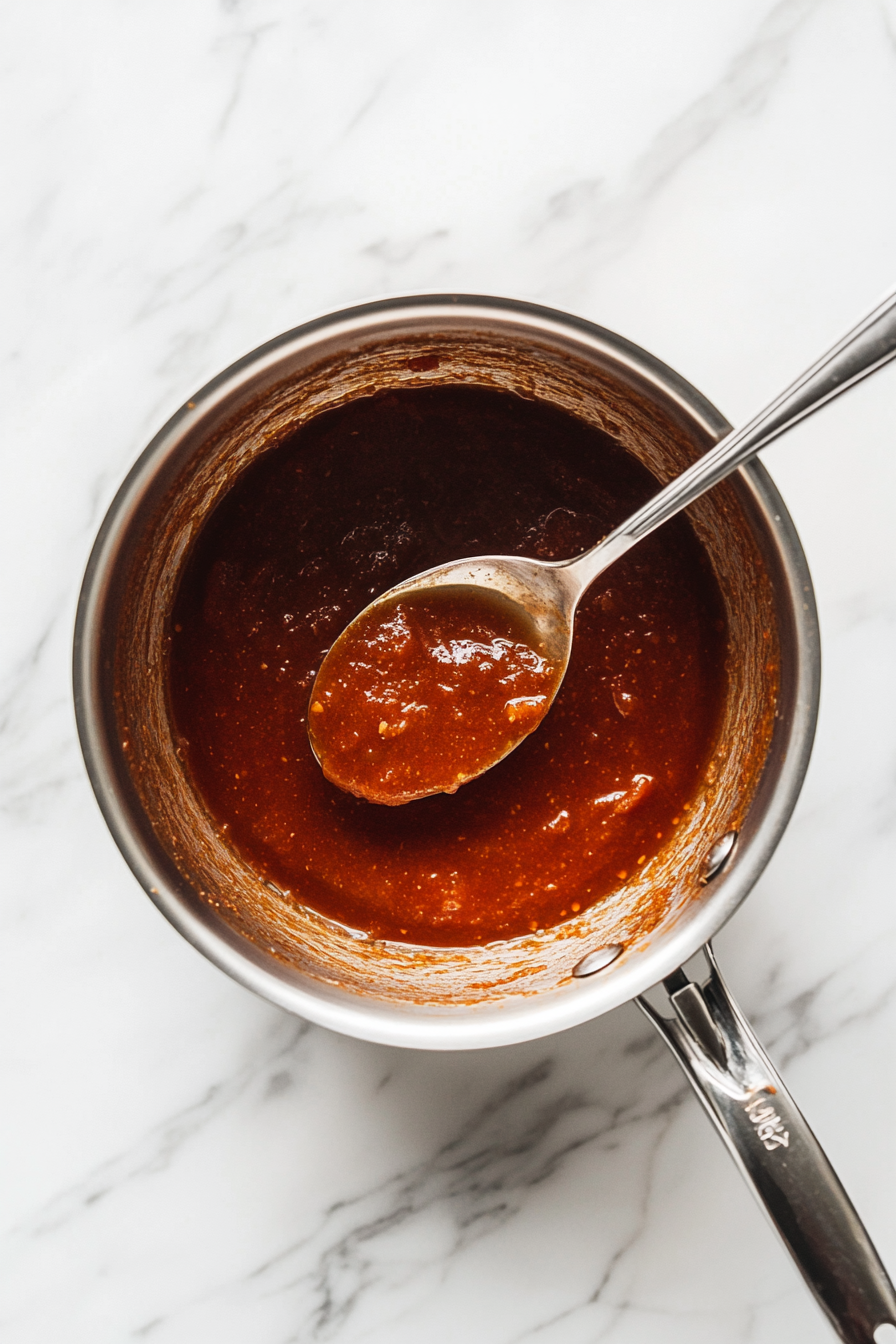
(598,960)
(719,855)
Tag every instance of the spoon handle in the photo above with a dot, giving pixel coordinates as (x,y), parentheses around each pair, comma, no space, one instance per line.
(867,347)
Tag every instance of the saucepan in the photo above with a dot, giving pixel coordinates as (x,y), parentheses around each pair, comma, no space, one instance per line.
(638,939)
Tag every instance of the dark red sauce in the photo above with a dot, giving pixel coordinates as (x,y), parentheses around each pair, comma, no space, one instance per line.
(424,692)
(361,498)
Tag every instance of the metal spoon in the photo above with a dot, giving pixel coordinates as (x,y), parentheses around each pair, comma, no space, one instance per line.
(550,591)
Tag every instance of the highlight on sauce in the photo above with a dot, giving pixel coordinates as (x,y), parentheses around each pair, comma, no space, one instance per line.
(352,503)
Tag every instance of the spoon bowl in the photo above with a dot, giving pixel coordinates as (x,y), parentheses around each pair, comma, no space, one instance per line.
(506,617)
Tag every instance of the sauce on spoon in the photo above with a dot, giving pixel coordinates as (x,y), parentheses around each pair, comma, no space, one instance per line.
(420,694)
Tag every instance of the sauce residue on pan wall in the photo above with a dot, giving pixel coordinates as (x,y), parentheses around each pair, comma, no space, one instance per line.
(360,498)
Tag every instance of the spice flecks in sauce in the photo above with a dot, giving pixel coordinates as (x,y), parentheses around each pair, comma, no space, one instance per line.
(360,499)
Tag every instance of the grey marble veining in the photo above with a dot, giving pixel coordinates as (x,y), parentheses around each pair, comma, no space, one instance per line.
(181,1162)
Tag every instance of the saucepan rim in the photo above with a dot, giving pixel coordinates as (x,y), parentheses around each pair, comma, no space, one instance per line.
(516,1018)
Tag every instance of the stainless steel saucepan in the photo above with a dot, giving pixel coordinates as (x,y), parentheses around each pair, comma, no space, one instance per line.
(467,998)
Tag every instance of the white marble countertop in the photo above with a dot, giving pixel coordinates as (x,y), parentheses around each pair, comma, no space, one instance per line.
(181,1162)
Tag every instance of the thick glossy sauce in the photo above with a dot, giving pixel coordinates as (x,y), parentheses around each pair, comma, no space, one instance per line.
(424,692)
(358,500)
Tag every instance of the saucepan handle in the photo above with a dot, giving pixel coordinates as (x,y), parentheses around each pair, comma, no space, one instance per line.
(778,1154)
